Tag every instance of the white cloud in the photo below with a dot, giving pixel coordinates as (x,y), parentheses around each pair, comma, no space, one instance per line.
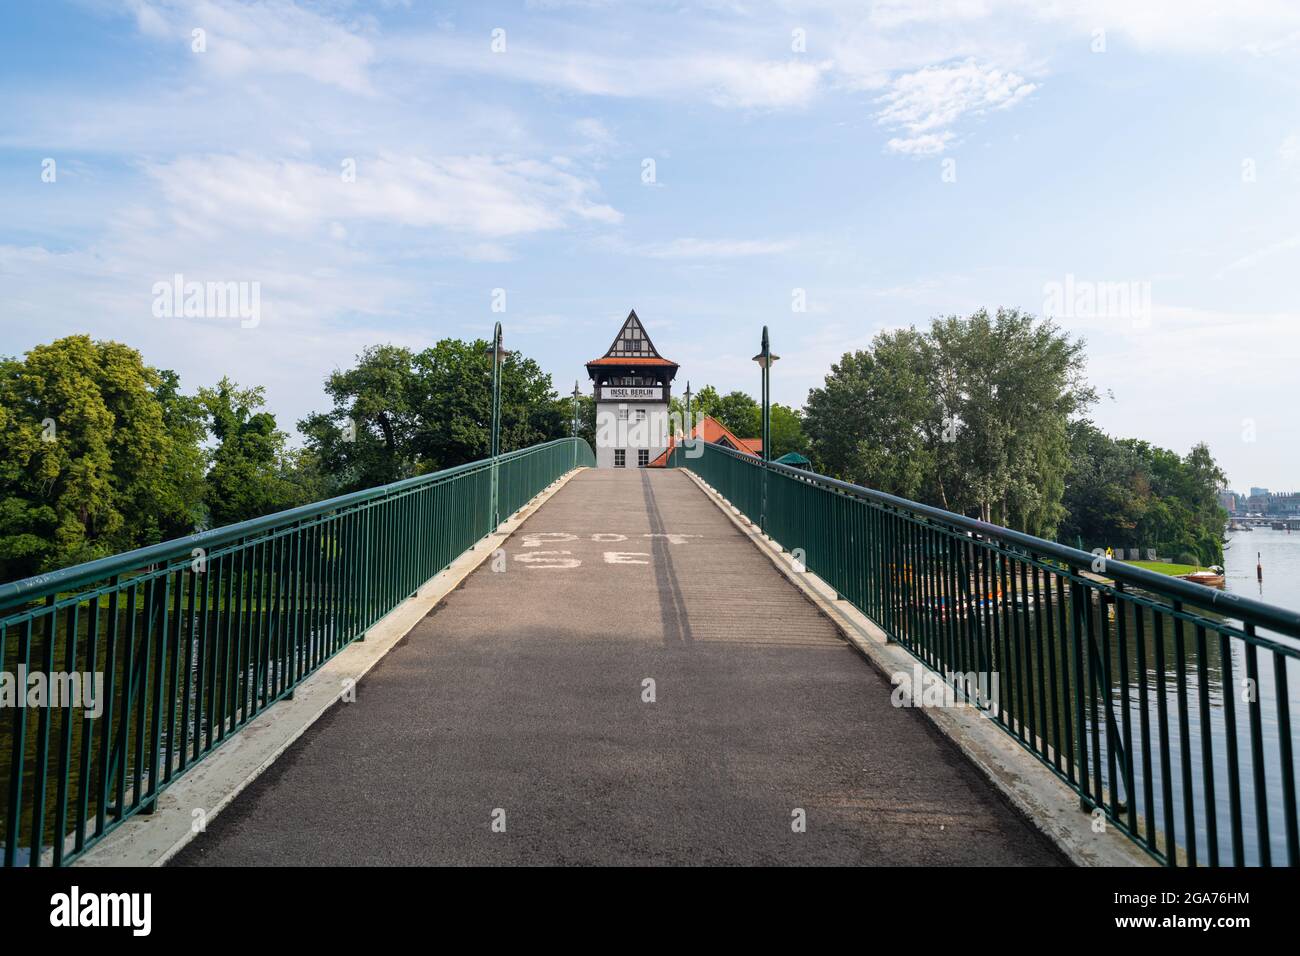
(927,144)
(481,195)
(690,248)
(1252,259)
(254,39)
(889,14)
(1186,26)
(725,76)
(928,101)
(1290,149)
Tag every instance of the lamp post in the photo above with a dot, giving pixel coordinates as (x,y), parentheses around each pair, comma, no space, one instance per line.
(765,358)
(689,429)
(576,393)
(497,351)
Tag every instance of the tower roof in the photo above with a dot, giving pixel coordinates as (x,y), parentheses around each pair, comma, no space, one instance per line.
(632,346)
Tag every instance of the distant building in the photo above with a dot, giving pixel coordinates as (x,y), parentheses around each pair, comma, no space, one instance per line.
(711,430)
(1228,501)
(632,382)
(1286,505)
(1280,504)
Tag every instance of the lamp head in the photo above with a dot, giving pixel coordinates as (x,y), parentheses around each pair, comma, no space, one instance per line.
(765,358)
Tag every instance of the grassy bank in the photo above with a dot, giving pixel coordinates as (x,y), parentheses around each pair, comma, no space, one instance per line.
(1162,567)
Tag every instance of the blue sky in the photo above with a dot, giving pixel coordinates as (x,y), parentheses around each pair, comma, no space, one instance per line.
(894,160)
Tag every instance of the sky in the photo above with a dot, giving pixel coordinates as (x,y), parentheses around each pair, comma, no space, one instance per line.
(399,171)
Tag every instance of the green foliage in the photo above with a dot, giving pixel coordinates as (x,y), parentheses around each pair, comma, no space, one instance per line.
(398,413)
(1131,494)
(970,415)
(786,430)
(586,416)
(736,410)
(368,438)
(101,455)
(743,415)
(104,454)
(876,418)
(250,472)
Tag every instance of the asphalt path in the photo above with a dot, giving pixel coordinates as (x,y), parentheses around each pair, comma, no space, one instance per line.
(638,686)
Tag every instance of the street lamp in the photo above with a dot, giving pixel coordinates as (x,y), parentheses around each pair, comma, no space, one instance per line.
(576,393)
(765,358)
(687,437)
(497,350)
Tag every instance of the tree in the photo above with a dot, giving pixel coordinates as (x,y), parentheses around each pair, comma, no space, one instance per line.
(736,410)
(101,455)
(1130,494)
(586,416)
(743,415)
(787,432)
(872,420)
(1008,388)
(970,415)
(399,413)
(368,438)
(250,472)
(1104,500)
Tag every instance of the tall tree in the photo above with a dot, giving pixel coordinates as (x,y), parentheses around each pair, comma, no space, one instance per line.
(251,473)
(736,410)
(399,413)
(1130,494)
(971,415)
(875,419)
(101,455)
(368,437)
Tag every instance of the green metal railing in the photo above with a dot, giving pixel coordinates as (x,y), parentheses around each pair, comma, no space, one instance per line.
(1164,704)
(195,637)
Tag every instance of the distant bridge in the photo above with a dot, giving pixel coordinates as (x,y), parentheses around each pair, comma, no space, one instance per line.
(1258,521)
(644,672)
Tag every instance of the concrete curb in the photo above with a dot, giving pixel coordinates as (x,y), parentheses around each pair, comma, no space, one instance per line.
(208,788)
(1037,793)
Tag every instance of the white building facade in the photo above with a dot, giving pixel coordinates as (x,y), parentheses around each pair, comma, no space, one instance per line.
(632,388)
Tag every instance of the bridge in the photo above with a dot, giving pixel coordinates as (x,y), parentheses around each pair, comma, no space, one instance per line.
(1277,523)
(723,661)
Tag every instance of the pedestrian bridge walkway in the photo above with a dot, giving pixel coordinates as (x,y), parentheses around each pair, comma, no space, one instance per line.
(523,700)
(627,676)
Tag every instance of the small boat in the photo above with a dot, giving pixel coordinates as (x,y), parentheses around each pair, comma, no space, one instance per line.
(1211,578)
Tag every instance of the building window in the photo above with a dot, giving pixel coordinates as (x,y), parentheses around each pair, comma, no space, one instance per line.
(622,413)
(640,414)
(642,457)
(620,458)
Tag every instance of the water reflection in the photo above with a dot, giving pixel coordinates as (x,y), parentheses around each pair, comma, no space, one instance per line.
(1202,759)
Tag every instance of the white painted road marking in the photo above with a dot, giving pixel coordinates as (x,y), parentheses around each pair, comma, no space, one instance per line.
(625,557)
(547,559)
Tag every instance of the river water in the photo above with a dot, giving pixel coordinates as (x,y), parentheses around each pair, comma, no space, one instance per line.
(1278,551)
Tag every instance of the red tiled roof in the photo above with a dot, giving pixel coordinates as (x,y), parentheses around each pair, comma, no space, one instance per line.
(711,430)
(613,360)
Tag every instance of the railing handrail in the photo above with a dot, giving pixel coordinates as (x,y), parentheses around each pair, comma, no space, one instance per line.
(38,585)
(1259,612)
